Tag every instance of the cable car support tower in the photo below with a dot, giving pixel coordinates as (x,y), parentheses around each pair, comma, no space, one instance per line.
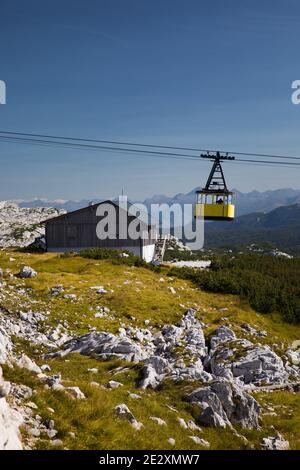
(215,201)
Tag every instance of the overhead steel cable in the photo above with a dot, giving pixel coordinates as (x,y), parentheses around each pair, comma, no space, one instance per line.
(260,163)
(97,147)
(75,145)
(135,144)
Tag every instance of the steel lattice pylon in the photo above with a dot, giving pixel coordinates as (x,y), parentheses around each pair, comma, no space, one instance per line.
(216,180)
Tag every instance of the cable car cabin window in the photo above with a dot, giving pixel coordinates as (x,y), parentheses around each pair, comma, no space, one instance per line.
(71,231)
(224,199)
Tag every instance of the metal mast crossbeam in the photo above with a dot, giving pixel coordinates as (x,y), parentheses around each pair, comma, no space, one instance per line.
(216,176)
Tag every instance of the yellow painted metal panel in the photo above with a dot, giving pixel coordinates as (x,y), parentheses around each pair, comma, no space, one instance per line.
(214,210)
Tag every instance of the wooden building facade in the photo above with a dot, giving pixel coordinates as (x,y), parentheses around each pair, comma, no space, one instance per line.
(76,230)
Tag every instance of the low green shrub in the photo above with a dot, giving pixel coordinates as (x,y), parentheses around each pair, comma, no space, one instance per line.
(270,284)
(117,257)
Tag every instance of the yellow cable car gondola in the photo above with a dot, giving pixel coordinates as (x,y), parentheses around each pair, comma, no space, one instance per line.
(215,202)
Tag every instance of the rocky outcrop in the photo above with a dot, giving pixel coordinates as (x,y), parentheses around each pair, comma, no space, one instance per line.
(293,353)
(176,352)
(5,345)
(10,420)
(222,335)
(179,352)
(255,364)
(103,345)
(223,403)
(29,326)
(154,371)
(227,369)
(20,226)
(24,362)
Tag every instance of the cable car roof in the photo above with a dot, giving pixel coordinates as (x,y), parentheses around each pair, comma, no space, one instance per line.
(215,191)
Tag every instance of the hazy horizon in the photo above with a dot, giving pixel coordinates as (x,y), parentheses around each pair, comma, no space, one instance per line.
(170,195)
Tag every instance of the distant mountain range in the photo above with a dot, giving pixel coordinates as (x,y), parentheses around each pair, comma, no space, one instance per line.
(274,218)
(262,217)
(67,205)
(280,227)
(246,203)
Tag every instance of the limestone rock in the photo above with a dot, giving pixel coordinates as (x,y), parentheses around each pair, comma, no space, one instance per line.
(20,392)
(5,387)
(5,345)
(56,442)
(154,371)
(253,331)
(54,382)
(294,356)
(75,392)
(20,225)
(222,335)
(223,403)
(113,384)
(253,364)
(182,423)
(193,426)
(159,353)
(56,290)
(134,396)
(275,443)
(124,412)
(159,421)
(25,326)
(71,297)
(103,344)
(26,363)
(10,421)
(27,272)
(168,362)
(200,441)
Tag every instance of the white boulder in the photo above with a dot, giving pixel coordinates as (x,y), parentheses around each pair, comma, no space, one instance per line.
(275,443)
(27,272)
(124,412)
(26,363)
(75,392)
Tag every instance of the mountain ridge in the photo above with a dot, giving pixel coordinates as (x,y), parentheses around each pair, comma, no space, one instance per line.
(280,227)
(246,203)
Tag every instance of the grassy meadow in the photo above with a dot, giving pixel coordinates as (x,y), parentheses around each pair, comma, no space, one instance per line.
(135,294)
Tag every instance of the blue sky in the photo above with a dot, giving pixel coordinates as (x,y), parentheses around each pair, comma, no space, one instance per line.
(211,74)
